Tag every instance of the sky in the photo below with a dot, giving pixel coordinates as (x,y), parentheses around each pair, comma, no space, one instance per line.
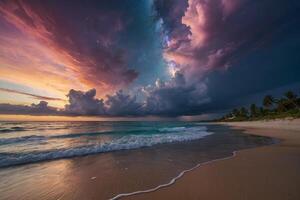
(141,58)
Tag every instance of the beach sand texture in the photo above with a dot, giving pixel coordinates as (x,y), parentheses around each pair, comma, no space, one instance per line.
(266,173)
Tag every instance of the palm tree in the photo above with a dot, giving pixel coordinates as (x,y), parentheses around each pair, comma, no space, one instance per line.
(235,113)
(292,98)
(261,111)
(290,95)
(243,112)
(253,110)
(282,105)
(268,101)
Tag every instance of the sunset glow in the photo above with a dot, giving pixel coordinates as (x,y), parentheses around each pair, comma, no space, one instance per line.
(105,59)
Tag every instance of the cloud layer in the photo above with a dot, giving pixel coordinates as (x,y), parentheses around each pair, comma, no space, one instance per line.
(172,98)
(160,57)
(83,43)
(84,103)
(41,108)
(205,35)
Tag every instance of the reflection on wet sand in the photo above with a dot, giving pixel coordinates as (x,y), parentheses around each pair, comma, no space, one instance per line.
(103,176)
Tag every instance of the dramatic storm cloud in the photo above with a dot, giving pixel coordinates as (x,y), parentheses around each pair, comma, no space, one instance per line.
(122,104)
(175,97)
(231,45)
(157,57)
(84,103)
(212,34)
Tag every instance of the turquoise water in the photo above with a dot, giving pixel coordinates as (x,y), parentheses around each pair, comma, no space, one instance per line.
(105,159)
(27,142)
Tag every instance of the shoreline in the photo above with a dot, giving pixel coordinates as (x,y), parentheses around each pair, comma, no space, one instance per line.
(283,178)
(282,124)
(176,169)
(106,175)
(173,180)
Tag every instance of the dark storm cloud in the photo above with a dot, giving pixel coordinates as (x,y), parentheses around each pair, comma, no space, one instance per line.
(254,43)
(118,104)
(80,103)
(220,51)
(175,97)
(206,35)
(171,98)
(122,104)
(84,103)
(167,98)
(41,108)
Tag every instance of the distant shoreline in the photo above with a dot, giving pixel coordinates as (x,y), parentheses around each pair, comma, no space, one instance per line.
(283,124)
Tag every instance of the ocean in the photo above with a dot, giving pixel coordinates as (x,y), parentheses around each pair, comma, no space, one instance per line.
(27,142)
(100,160)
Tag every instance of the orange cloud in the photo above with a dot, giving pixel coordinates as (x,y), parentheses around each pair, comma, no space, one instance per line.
(41,49)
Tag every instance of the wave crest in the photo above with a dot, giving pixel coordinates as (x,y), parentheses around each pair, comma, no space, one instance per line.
(125,142)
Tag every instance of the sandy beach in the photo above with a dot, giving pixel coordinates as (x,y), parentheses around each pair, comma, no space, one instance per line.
(106,175)
(269,172)
(259,168)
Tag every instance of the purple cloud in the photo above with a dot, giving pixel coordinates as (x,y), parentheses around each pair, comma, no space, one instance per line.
(84,103)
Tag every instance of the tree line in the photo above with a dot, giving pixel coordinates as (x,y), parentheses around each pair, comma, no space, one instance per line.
(286,106)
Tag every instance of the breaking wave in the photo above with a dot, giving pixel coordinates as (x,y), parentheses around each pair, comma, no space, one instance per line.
(125,142)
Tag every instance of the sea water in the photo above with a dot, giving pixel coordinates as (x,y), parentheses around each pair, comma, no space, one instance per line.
(27,142)
(104,160)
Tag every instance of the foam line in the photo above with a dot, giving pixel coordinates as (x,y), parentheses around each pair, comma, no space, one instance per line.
(172,181)
(123,143)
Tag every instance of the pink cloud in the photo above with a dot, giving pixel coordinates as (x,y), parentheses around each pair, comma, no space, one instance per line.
(197,45)
(93,61)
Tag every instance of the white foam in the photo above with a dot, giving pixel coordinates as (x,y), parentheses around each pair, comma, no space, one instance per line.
(172,180)
(123,143)
(180,129)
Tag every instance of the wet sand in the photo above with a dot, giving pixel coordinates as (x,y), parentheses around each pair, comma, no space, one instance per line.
(103,176)
(266,173)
